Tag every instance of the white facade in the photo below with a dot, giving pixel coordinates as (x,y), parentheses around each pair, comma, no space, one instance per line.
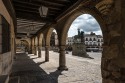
(56,39)
(93,42)
(69,41)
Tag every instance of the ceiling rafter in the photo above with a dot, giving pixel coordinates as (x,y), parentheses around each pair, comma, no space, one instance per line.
(27,13)
(33,17)
(26,3)
(20,22)
(49,2)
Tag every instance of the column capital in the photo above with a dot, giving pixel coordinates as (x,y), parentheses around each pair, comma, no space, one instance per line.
(62,47)
(47,46)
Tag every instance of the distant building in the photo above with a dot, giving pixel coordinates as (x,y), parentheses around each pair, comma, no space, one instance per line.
(69,41)
(93,42)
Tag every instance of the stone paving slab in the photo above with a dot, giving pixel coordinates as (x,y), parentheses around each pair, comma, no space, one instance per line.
(31,69)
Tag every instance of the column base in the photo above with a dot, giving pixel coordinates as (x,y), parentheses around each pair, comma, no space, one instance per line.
(46,60)
(63,68)
(39,56)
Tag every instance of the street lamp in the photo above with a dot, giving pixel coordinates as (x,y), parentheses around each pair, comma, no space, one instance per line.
(43,11)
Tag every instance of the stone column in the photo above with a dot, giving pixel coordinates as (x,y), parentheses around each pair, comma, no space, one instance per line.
(46,53)
(31,46)
(62,59)
(39,48)
(35,50)
(39,51)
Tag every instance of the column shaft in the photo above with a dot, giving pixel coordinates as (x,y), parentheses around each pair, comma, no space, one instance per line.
(46,53)
(39,51)
(62,59)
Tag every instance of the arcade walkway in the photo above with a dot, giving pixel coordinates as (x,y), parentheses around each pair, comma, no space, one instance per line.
(30,69)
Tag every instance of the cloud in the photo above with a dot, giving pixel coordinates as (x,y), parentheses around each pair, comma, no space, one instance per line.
(86,23)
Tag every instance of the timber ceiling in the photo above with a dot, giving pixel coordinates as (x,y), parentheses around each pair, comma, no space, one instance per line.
(28,17)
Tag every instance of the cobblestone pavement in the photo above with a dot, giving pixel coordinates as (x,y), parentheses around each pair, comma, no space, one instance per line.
(30,69)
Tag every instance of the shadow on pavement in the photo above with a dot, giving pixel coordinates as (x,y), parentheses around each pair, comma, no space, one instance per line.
(25,70)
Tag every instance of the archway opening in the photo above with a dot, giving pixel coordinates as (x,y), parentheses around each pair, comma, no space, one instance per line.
(84,45)
(54,41)
(51,46)
(22,46)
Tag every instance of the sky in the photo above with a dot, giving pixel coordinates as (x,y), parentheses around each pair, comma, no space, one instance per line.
(86,23)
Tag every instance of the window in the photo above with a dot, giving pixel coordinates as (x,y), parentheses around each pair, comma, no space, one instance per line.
(90,39)
(86,39)
(5,35)
(94,39)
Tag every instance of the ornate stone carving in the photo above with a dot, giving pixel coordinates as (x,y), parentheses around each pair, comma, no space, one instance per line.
(112,18)
(105,6)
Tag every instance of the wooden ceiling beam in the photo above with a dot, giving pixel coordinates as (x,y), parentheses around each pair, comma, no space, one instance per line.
(53,8)
(25,7)
(59,1)
(26,3)
(33,17)
(25,20)
(28,11)
(22,22)
(30,24)
(44,2)
(24,34)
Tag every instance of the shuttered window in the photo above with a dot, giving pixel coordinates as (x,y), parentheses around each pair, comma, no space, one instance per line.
(5,35)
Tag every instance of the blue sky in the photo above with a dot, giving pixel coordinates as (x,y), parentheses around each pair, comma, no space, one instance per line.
(86,23)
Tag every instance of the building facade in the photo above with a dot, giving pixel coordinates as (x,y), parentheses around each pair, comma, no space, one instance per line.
(93,42)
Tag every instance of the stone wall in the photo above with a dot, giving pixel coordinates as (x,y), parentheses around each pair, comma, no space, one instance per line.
(6,59)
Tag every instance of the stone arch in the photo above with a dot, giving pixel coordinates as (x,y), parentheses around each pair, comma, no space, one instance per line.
(23,43)
(113,56)
(39,44)
(35,45)
(40,39)
(48,36)
(77,13)
(36,41)
(43,40)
